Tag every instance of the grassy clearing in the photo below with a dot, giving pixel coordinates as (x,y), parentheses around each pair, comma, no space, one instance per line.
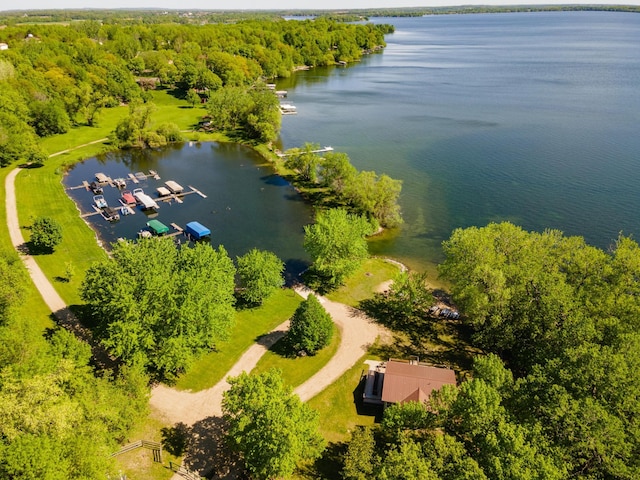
(340,405)
(364,282)
(40,193)
(297,370)
(33,310)
(139,463)
(250,324)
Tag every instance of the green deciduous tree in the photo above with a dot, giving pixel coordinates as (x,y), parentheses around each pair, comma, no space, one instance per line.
(46,234)
(337,244)
(161,306)
(269,425)
(360,458)
(311,327)
(260,275)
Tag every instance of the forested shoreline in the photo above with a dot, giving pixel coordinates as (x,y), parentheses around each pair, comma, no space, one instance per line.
(555,384)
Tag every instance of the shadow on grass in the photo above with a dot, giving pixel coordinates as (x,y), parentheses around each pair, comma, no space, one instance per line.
(207,452)
(329,465)
(435,340)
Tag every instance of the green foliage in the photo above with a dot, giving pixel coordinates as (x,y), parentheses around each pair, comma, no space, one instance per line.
(192,98)
(366,193)
(12,285)
(252,111)
(337,244)
(260,274)
(359,460)
(46,234)
(269,425)
(401,417)
(311,327)
(160,306)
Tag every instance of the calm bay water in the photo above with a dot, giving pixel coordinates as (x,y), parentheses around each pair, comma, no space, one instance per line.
(531,118)
(246,205)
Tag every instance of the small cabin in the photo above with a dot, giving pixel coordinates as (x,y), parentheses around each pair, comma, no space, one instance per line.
(196,230)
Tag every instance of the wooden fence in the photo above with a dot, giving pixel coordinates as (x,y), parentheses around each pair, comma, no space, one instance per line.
(155,447)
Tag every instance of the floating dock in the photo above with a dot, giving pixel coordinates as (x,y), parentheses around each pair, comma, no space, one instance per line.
(300,152)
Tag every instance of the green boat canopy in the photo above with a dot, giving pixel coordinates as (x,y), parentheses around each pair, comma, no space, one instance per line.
(157,227)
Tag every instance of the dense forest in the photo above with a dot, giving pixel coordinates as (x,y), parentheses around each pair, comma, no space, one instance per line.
(57,76)
(552,394)
(555,394)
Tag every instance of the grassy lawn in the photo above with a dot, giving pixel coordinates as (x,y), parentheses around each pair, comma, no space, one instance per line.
(297,370)
(40,193)
(139,463)
(363,283)
(340,405)
(34,309)
(250,324)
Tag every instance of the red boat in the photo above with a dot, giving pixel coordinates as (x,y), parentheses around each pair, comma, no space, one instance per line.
(128,198)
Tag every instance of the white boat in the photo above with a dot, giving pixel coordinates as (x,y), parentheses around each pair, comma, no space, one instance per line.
(145,200)
(102,178)
(288,109)
(174,187)
(99,201)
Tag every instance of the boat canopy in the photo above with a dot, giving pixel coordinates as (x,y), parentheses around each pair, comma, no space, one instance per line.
(197,230)
(157,227)
(175,187)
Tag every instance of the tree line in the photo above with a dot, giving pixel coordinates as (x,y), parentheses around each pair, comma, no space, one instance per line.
(55,77)
(553,396)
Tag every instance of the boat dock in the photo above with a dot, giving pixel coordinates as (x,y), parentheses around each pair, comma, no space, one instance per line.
(120,182)
(300,152)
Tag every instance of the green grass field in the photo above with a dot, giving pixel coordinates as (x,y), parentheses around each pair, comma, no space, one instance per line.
(250,324)
(297,370)
(364,282)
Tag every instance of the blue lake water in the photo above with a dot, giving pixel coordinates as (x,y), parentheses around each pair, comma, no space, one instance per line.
(526,117)
(246,205)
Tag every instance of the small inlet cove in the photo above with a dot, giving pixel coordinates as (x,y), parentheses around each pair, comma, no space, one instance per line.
(225,188)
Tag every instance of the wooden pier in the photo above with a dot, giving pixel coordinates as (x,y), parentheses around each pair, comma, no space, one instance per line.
(133,178)
(195,190)
(301,152)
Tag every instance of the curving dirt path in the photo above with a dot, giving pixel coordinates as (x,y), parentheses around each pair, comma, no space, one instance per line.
(358,332)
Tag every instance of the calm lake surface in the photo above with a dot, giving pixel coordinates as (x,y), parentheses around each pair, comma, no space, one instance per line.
(531,118)
(246,205)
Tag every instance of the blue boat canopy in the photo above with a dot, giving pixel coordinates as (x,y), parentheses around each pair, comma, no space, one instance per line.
(197,230)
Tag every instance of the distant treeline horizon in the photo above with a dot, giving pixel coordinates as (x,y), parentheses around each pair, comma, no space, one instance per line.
(163,15)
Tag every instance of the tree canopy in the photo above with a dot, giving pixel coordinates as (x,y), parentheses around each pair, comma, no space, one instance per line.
(160,306)
(337,244)
(58,418)
(46,234)
(311,327)
(554,394)
(260,275)
(269,425)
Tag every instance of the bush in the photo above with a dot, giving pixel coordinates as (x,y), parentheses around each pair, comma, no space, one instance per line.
(46,234)
(311,327)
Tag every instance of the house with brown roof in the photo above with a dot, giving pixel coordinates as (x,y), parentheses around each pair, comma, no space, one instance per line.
(400,381)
